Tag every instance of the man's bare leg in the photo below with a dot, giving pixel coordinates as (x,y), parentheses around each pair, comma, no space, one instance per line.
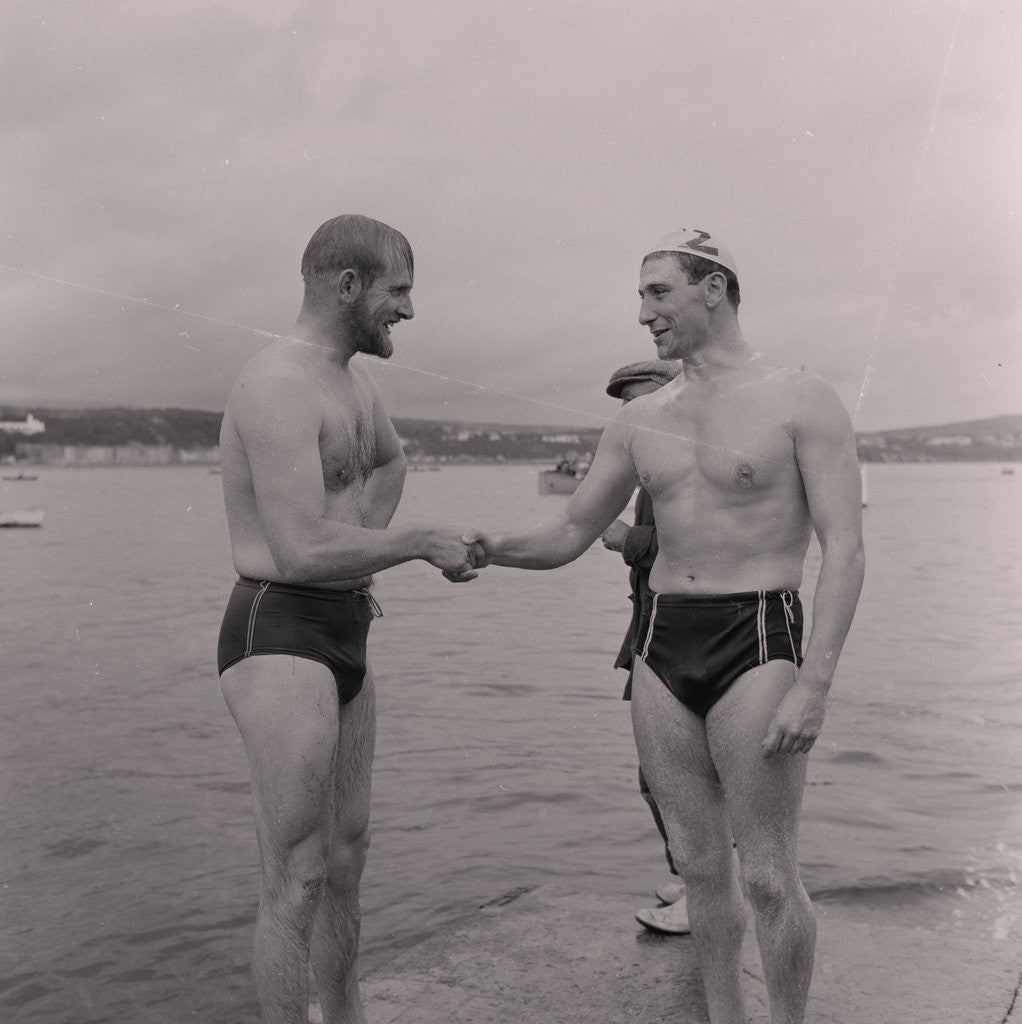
(286,710)
(676,762)
(336,931)
(764,797)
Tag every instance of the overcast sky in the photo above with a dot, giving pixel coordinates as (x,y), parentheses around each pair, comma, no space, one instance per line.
(165,164)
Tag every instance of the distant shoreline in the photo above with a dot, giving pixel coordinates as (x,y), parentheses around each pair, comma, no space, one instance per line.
(32,437)
(436,463)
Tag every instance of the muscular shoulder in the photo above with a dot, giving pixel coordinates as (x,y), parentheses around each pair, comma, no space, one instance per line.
(814,396)
(274,366)
(816,407)
(797,395)
(272,385)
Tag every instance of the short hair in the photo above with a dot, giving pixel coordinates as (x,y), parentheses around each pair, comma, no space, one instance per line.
(695,268)
(354,242)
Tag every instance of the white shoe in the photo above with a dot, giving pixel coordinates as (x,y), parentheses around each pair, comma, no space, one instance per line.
(672,920)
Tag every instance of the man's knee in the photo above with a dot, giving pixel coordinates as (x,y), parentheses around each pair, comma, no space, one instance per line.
(703,867)
(347,856)
(294,880)
(770,890)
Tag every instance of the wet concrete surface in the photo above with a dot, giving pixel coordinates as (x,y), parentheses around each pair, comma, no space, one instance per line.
(558,956)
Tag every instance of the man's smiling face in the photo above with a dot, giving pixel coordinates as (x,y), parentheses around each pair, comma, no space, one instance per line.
(382,304)
(672,309)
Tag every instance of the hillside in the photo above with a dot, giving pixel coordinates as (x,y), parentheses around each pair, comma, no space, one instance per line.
(997,439)
(179,428)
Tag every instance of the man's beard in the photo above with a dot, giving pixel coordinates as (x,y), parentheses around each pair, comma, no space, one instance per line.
(369,338)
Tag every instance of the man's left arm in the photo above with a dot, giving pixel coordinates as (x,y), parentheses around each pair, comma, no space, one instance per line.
(383,489)
(826,457)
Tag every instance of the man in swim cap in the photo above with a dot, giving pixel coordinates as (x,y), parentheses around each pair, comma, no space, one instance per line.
(312,473)
(744,462)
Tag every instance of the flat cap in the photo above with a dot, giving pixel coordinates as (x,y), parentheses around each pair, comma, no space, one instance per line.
(661,371)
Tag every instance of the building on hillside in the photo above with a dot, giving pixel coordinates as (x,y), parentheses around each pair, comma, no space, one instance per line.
(134,454)
(959,440)
(29,426)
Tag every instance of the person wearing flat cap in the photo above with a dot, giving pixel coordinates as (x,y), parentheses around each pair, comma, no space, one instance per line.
(638,547)
(744,462)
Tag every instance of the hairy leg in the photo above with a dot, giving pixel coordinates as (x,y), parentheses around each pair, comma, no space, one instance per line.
(764,797)
(286,710)
(676,762)
(336,933)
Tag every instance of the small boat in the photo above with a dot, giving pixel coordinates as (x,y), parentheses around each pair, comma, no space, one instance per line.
(565,477)
(553,481)
(27,517)
(23,476)
(1007,470)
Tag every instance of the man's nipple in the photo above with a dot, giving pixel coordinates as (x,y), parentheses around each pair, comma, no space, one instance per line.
(744,475)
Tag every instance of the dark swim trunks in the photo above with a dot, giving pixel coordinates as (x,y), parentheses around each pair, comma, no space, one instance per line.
(328,626)
(699,644)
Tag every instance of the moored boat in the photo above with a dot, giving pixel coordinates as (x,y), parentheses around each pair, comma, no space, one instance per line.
(565,477)
(23,517)
(552,481)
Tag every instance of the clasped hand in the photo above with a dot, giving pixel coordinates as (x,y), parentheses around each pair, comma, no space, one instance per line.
(459,557)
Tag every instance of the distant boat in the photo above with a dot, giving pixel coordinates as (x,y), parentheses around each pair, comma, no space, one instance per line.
(565,478)
(1007,470)
(23,476)
(27,517)
(552,481)
(215,470)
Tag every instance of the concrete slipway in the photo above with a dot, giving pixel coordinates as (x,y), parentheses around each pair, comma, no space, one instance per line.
(557,956)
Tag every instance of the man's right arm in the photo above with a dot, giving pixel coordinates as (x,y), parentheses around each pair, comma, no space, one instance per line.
(279,428)
(601,496)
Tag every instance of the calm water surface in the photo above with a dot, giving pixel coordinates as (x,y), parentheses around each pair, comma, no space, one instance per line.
(128,868)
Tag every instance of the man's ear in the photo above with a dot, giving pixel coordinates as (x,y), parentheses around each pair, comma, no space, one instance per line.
(349,285)
(716,288)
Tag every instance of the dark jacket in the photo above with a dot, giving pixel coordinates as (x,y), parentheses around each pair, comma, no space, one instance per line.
(639,552)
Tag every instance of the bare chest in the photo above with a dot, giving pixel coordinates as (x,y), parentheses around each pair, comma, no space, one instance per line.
(735,453)
(347,445)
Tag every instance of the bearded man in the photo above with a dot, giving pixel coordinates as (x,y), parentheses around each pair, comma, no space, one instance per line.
(312,473)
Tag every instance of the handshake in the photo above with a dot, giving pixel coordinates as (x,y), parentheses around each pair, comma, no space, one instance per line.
(459,555)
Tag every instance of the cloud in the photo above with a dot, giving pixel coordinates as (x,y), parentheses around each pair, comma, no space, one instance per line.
(862,161)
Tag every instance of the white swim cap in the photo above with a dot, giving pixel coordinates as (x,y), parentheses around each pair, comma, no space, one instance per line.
(697,243)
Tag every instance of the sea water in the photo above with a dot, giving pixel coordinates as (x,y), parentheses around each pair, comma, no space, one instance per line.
(128,865)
